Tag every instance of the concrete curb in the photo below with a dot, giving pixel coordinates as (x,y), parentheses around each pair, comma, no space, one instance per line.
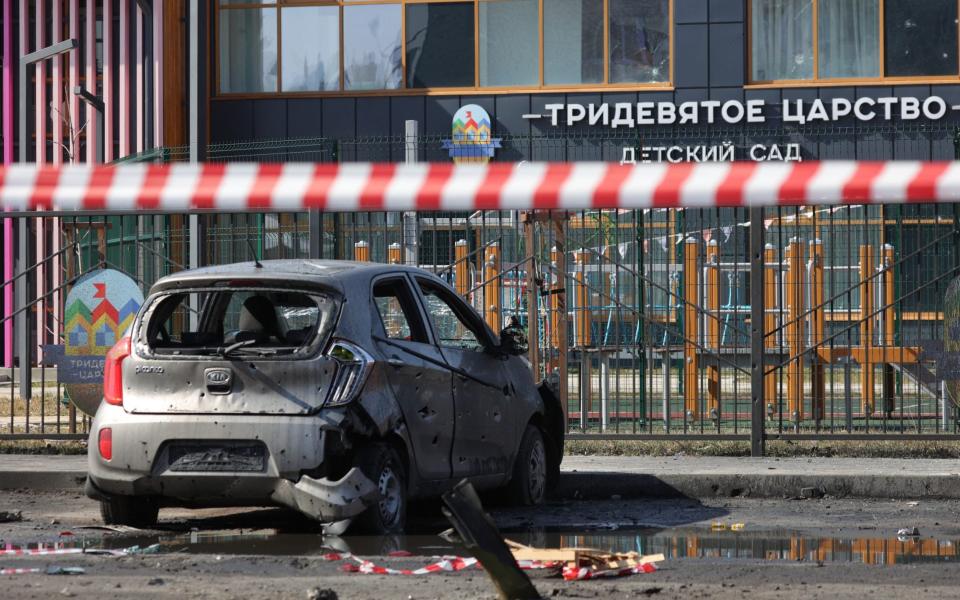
(43,480)
(596,485)
(599,485)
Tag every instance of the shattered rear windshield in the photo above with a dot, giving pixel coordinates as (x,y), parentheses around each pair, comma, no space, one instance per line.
(262,322)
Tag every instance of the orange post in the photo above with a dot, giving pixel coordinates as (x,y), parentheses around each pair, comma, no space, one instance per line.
(769,317)
(393,254)
(889,328)
(582,338)
(818,376)
(553,335)
(491,286)
(691,289)
(794,329)
(461,268)
(361,251)
(713,326)
(866,328)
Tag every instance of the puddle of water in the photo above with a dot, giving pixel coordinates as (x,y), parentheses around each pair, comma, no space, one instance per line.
(761,545)
(673,543)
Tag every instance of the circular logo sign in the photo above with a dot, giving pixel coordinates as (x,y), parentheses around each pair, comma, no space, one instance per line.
(97,312)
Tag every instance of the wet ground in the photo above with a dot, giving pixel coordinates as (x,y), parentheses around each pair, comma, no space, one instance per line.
(727,548)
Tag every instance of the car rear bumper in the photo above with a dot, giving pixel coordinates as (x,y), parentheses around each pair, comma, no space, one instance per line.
(142,465)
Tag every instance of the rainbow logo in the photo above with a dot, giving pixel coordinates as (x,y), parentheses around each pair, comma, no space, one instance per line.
(472,141)
(99,308)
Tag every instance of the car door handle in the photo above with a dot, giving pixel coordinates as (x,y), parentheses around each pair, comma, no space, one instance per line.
(396,362)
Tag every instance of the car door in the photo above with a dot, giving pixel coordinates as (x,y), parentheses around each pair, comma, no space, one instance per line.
(484,433)
(417,373)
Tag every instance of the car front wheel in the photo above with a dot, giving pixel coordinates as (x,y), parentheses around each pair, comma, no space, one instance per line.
(528,487)
(130,511)
(382,465)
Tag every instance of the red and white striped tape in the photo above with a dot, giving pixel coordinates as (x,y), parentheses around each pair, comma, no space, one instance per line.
(59,550)
(571,573)
(458,563)
(508,186)
(20,571)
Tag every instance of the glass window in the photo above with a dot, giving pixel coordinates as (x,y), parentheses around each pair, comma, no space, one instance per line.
(849,38)
(440,45)
(920,37)
(371,47)
(782,36)
(398,311)
(453,331)
(310,48)
(509,42)
(572,41)
(639,41)
(248,50)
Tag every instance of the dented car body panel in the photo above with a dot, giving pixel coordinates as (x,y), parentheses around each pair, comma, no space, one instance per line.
(253,385)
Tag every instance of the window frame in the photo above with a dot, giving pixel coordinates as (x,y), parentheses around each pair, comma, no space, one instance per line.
(403,90)
(817,81)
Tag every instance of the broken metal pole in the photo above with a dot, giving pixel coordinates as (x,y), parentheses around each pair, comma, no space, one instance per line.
(480,536)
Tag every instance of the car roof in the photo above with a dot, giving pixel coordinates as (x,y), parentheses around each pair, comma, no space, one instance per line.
(336,274)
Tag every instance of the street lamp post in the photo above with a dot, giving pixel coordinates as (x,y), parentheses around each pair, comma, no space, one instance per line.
(22,269)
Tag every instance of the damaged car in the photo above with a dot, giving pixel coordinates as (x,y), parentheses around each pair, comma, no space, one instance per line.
(342,390)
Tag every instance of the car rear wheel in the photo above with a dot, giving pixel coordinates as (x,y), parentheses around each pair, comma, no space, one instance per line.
(381,463)
(131,511)
(528,487)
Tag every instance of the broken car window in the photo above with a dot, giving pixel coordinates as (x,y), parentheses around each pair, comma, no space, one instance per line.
(265,321)
(452,330)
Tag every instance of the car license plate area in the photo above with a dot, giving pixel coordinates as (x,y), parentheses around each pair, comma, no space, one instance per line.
(207,457)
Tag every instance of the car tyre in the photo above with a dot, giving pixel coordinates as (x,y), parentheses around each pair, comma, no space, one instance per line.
(382,465)
(528,486)
(130,511)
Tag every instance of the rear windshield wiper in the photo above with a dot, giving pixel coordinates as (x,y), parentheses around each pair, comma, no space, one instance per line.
(224,352)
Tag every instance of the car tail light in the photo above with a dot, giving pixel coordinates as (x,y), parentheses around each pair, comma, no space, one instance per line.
(353,365)
(105,440)
(113,374)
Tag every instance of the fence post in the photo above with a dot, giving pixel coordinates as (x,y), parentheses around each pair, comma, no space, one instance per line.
(361,251)
(533,294)
(817,315)
(757,314)
(769,318)
(411,237)
(889,328)
(23,319)
(713,326)
(315,231)
(866,329)
(491,286)
(461,269)
(393,254)
(582,338)
(691,295)
(794,329)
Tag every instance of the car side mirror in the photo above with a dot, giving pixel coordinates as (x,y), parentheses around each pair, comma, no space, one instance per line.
(513,341)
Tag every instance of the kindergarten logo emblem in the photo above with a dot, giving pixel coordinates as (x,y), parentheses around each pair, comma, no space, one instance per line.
(472,141)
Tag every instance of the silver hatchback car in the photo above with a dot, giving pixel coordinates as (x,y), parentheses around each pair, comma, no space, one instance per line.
(339,389)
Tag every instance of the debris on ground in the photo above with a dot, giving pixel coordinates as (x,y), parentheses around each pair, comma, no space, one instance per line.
(321,594)
(584,563)
(9,516)
(156,581)
(808,493)
(907,532)
(56,570)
